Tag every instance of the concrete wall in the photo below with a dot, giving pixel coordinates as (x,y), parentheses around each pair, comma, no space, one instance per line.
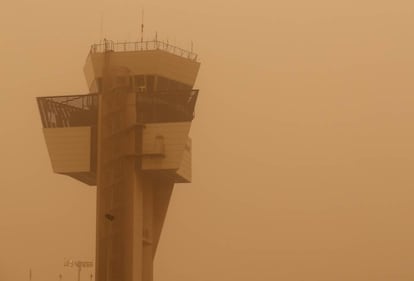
(174,136)
(69,149)
(184,172)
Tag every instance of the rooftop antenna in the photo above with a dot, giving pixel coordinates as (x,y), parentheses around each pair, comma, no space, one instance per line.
(101,30)
(142,26)
(101,23)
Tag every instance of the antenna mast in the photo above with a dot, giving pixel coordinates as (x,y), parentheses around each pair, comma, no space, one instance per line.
(142,26)
(101,30)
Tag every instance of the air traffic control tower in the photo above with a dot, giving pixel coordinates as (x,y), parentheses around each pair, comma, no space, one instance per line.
(129,137)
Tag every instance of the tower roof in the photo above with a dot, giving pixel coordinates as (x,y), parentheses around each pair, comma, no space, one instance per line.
(143,58)
(109,45)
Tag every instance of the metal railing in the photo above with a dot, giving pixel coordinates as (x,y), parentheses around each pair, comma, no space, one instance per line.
(82,110)
(109,45)
(68,111)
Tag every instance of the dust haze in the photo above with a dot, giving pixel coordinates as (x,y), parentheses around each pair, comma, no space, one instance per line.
(303,141)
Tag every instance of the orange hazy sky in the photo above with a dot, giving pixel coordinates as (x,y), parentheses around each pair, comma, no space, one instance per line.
(303,142)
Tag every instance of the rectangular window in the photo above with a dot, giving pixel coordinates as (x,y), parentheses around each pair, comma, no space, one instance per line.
(150,83)
(139,83)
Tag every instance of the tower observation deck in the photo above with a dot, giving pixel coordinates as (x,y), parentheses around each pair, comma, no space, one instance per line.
(129,137)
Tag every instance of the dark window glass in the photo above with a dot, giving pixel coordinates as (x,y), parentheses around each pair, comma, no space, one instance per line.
(162,84)
(140,83)
(150,83)
(99,84)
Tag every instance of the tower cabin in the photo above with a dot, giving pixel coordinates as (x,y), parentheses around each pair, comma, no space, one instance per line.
(156,80)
